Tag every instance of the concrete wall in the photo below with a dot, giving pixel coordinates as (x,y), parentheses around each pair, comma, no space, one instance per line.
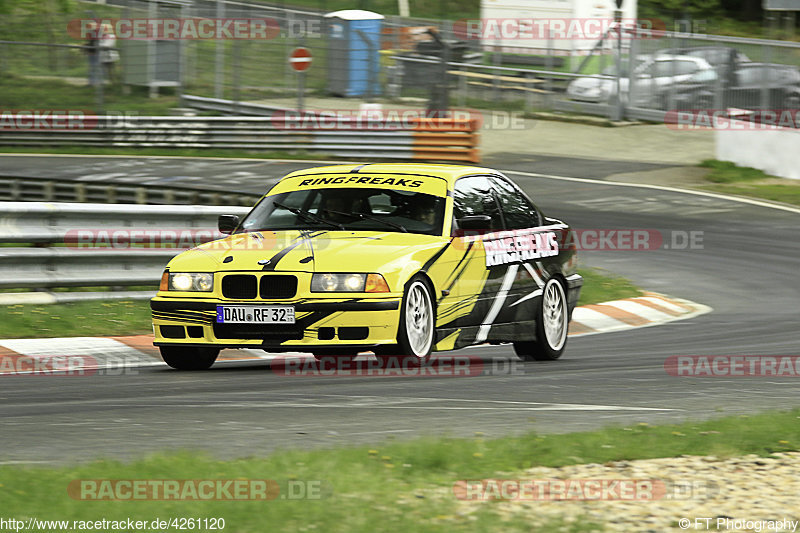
(775,151)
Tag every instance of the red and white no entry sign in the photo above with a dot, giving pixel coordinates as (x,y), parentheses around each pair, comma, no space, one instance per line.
(300,59)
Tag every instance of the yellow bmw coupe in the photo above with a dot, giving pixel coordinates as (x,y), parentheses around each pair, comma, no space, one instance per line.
(398,259)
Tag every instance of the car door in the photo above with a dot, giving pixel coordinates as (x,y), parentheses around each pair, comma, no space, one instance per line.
(501,278)
(536,246)
(470,284)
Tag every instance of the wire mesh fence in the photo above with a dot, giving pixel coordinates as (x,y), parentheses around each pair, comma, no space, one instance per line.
(426,62)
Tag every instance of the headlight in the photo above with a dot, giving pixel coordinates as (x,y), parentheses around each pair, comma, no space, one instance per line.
(348,283)
(191,281)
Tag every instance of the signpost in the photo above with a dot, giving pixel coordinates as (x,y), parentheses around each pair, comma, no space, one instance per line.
(300,60)
(619,112)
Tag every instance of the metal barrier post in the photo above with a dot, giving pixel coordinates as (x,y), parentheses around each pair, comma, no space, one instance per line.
(548,87)
(764,104)
(496,61)
(219,59)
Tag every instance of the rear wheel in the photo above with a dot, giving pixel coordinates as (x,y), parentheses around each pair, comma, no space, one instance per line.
(415,331)
(189,357)
(551,326)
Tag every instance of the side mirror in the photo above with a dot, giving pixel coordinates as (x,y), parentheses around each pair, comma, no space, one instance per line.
(227,223)
(475,222)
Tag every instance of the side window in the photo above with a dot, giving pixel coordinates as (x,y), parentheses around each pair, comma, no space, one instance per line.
(475,196)
(517,211)
(662,68)
(686,67)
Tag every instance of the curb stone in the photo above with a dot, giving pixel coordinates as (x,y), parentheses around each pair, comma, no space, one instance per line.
(125,352)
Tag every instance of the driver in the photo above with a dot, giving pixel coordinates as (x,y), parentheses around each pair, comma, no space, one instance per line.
(341,200)
(423,211)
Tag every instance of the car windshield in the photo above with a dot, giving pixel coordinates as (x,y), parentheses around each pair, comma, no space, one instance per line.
(357,209)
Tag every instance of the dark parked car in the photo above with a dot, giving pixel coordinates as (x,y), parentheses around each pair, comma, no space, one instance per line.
(722,58)
(744,88)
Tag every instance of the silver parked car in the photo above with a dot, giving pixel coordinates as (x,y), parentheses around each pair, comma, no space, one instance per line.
(652,78)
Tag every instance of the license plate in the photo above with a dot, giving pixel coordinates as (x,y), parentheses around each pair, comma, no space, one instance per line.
(255,314)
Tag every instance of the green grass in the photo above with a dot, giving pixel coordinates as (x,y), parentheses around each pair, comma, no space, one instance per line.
(729,178)
(397,486)
(602,286)
(78,319)
(727,172)
(23,93)
(132,317)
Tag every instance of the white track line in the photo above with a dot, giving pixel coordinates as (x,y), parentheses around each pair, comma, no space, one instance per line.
(738,199)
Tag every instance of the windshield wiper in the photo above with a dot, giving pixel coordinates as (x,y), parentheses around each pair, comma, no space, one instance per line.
(308,217)
(362,216)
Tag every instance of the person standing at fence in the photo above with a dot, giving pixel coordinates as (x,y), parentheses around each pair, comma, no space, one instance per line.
(108,52)
(92,52)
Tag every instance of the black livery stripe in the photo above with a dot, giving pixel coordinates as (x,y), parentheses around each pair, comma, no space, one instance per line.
(457,271)
(273,262)
(359,167)
(458,307)
(429,263)
(332,307)
(184,316)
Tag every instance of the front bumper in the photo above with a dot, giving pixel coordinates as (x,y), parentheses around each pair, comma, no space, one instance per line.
(319,323)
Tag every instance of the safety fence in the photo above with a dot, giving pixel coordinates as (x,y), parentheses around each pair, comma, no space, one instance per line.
(622,76)
(39,189)
(45,245)
(444,139)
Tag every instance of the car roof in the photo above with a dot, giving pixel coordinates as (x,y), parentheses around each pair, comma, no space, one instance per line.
(662,57)
(753,64)
(449,173)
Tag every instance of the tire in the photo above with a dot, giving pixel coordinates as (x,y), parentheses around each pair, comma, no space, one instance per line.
(552,323)
(189,357)
(415,332)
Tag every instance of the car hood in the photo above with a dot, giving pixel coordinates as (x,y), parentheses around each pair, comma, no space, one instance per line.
(311,251)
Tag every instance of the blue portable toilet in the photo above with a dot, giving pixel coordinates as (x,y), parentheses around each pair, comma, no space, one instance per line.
(354,43)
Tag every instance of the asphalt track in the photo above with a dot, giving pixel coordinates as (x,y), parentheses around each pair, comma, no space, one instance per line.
(745,269)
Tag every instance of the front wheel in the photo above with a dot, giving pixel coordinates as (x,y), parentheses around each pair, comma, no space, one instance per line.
(551,326)
(189,357)
(416,328)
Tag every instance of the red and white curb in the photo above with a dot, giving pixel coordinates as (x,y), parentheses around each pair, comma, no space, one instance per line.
(648,310)
(118,355)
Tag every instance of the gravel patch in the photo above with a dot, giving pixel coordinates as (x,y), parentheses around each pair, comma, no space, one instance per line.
(739,494)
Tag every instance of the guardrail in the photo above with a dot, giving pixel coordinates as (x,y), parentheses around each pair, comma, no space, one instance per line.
(38,189)
(92,245)
(440,139)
